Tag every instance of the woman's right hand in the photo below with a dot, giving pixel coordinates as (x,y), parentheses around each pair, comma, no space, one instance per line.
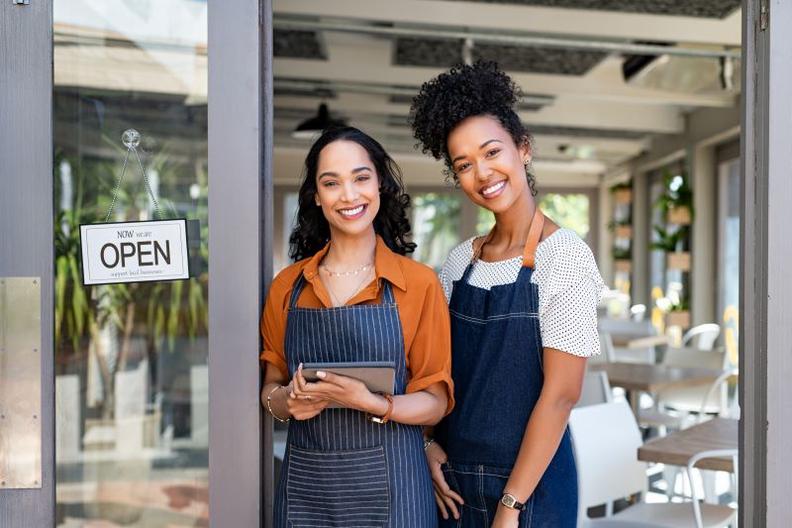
(445,497)
(303,406)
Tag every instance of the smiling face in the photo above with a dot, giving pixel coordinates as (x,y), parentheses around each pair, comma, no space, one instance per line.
(488,164)
(347,188)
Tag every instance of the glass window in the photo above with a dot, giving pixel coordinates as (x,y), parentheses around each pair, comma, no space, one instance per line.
(131,360)
(569,210)
(435,226)
(729,249)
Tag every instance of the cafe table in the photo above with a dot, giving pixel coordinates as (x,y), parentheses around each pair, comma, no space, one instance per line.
(652,378)
(678,447)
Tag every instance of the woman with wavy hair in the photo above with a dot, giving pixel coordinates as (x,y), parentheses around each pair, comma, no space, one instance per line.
(523,303)
(354,296)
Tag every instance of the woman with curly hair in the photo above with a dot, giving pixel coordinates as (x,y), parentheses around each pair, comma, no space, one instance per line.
(523,304)
(352,296)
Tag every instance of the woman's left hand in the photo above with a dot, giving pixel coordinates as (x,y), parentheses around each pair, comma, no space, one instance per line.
(506,518)
(347,392)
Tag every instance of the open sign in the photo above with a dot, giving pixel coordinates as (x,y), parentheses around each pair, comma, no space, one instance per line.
(134,252)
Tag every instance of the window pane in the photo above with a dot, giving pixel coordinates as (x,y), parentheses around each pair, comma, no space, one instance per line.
(569,210)
(131,359)
(435,225)
(729,279)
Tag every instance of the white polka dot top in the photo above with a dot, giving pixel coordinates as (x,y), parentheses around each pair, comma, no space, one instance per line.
(568,281)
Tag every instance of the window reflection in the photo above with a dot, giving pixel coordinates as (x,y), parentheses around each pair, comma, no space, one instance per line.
(131,360)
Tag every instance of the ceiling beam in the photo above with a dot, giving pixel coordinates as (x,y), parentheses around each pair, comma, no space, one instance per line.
(339,69)
(545,20)
(475,36)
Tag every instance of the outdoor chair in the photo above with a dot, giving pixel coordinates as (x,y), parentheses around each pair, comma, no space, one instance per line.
(702,336)
(688,399)
(638,350)
(606,439)
(596,389)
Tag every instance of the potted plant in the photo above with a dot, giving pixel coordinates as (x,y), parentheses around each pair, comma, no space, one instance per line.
(676,202)
(621,229)
(675,242)
(679,315)
(622,193)
(621,259)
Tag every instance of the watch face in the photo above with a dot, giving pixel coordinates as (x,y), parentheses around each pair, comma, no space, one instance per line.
(508,500)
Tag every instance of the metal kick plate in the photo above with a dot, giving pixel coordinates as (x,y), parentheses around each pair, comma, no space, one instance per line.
(20,382)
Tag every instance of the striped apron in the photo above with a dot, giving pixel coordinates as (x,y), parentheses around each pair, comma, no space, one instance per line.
(341,469)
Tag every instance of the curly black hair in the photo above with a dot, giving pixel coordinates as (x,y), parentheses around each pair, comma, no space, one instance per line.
(312,231)
(465,91)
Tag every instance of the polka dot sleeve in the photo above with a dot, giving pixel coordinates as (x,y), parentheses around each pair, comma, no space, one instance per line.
(570,287)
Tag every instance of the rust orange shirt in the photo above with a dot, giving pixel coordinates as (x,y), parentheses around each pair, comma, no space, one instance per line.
(419,297)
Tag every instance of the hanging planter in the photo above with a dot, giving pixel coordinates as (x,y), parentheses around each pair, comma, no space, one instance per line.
(623,265)
(622,195)
(679,260)
(623,231)
(679,318)
(679,215)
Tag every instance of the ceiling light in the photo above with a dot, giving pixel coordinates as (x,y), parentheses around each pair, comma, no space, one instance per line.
(313,126)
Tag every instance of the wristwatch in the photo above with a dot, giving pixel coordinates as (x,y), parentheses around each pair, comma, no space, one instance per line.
(510,501)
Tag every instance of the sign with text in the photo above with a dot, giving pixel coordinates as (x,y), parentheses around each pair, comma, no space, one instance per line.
(134,252)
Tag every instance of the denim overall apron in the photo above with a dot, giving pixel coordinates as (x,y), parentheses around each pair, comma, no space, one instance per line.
(497,370)
(341,469)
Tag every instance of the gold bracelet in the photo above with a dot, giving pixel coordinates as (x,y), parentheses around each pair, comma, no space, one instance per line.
(269,404)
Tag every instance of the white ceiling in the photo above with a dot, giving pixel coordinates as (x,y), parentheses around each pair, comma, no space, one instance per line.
(595,120)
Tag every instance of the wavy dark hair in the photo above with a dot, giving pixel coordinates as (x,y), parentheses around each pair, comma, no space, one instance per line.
(391,223)
(463,91)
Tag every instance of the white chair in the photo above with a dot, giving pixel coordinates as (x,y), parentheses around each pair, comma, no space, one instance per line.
(688,399)
(606,349)
(639,350)
(702,336)
(626,328)
(596,389)
(606,440)
(712,453)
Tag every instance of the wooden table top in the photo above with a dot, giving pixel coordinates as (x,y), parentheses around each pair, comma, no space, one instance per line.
(654,378)
(677,447)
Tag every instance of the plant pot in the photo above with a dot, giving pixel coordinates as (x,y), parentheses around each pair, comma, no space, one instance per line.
(679,215)
(678,261)
(622,196)
(623,265)
(679,318)
(622,231)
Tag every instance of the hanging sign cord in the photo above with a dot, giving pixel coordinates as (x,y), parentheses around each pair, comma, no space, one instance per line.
(131,145)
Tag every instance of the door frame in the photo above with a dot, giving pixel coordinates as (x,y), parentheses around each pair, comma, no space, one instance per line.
(240,262)
(26,219)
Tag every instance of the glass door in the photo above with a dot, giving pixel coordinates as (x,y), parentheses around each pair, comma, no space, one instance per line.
(131,359)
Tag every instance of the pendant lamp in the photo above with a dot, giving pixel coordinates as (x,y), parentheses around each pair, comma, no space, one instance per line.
(315,125)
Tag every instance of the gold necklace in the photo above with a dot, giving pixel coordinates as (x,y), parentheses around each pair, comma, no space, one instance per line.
(355,271)
(357,289)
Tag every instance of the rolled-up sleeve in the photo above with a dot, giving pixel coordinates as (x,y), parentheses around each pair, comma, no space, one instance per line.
(273,327)
(429,355)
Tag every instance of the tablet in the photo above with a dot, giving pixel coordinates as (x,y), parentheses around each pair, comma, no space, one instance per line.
(379,376)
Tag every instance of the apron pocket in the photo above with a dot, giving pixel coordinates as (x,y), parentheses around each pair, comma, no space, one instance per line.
(337,488)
